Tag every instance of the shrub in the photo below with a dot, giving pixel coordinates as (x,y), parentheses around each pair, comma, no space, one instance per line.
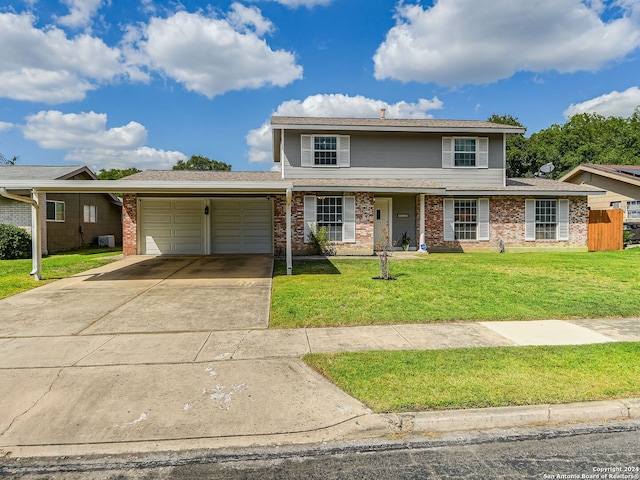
(320,241)
(14,242)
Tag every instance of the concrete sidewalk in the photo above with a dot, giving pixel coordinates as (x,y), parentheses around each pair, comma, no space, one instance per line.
(88,394)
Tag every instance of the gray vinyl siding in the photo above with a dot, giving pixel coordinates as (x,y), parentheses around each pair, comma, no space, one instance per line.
(397,155)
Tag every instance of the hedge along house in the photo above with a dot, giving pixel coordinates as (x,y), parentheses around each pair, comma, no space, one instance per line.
(443,183)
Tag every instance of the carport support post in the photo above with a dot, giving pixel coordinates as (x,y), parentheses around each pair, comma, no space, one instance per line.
(288,235)
(422,215)
(36,233)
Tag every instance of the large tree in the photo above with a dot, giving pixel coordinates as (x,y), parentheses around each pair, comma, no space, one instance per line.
(8,161)
(516,145)
(199,162)
(116,173)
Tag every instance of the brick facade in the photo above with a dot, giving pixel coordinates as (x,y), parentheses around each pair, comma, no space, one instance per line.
(130,224)
(506,223)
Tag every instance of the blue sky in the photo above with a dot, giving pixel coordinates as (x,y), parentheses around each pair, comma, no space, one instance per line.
(145,83)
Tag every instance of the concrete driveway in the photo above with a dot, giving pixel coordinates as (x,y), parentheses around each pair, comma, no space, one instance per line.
(147,294)
(127,358)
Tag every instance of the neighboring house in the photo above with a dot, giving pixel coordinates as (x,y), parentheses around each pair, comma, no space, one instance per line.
(442,182)
(621,182)
(622,185)
(69,220)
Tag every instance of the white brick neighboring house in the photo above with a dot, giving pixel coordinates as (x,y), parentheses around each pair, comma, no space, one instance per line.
(69,220)
(441,182)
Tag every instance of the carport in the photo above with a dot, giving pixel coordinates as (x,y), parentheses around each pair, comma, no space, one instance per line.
(178,215)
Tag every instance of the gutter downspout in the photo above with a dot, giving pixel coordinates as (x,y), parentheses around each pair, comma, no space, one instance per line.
(36,229)
(288,235)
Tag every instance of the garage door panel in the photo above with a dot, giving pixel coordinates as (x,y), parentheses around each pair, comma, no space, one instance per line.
(175,226)
(242,226)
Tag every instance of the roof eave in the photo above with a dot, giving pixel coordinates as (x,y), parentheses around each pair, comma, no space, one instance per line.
(595,171)
(527,192)
(395,128)
(142,186)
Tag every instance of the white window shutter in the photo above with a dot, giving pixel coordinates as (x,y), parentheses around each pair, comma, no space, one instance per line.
(349,219)
(530,219)
(344,153)
(310,216)
(483,153)
(563,219)
(306,153)
(449,233)
(447,152)
(483,219)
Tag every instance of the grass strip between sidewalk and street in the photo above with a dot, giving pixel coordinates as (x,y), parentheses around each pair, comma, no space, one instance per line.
(15,278)
(401,381)
(457,287)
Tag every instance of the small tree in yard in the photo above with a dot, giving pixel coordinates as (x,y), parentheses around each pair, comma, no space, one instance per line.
(14,243)
(383,246)
(320,241)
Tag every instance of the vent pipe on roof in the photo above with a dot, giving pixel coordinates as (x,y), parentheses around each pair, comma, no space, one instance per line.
(383,112)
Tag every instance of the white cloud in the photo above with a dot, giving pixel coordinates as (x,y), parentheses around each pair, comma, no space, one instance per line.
(470,42)
(334,105)
(142,158)
(46,66)
(209,56)
(80,12)
(57,130)
(5,126)
(241,17)
(90,142)
(614,104)
(303,3)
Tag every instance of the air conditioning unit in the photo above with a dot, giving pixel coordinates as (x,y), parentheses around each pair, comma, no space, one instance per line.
(106,241)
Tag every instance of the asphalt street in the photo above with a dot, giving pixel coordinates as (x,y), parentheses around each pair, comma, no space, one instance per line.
(598,452)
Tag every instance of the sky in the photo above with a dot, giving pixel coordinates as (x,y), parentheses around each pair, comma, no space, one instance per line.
(145,83)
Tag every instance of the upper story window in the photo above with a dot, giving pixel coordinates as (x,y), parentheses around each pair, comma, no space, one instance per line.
(633,209)
(55,211)
(464,152)
(325,150)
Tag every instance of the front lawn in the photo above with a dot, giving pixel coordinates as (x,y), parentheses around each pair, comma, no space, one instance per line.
(15,278)
(448,287)
(484,377)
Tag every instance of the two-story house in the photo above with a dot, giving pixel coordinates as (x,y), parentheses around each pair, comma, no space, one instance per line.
(441,183)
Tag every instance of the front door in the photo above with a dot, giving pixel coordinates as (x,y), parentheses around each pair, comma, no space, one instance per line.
(381,219)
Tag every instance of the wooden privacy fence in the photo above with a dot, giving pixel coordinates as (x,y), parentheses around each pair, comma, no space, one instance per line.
(605,230)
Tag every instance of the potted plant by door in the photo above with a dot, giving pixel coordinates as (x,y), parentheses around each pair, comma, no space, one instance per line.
(405,241)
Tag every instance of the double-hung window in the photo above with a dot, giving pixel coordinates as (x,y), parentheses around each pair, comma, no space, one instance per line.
(55,211)
(464,152)
(325,150)
(546,219)
(633,209)
(465,218)
(90,214)
(329,215)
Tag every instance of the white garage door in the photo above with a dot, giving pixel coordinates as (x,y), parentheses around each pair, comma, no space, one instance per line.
(241,225)
(172,226)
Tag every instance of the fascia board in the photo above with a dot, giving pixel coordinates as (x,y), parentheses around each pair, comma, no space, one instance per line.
(124,186)
(529,193)
(376,128)
(334,188)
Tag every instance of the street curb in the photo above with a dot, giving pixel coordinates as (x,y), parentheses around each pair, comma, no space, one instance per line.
(513,417)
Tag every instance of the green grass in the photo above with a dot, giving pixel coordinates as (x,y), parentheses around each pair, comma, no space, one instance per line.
(484,377)
(448,287)
(15,278)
